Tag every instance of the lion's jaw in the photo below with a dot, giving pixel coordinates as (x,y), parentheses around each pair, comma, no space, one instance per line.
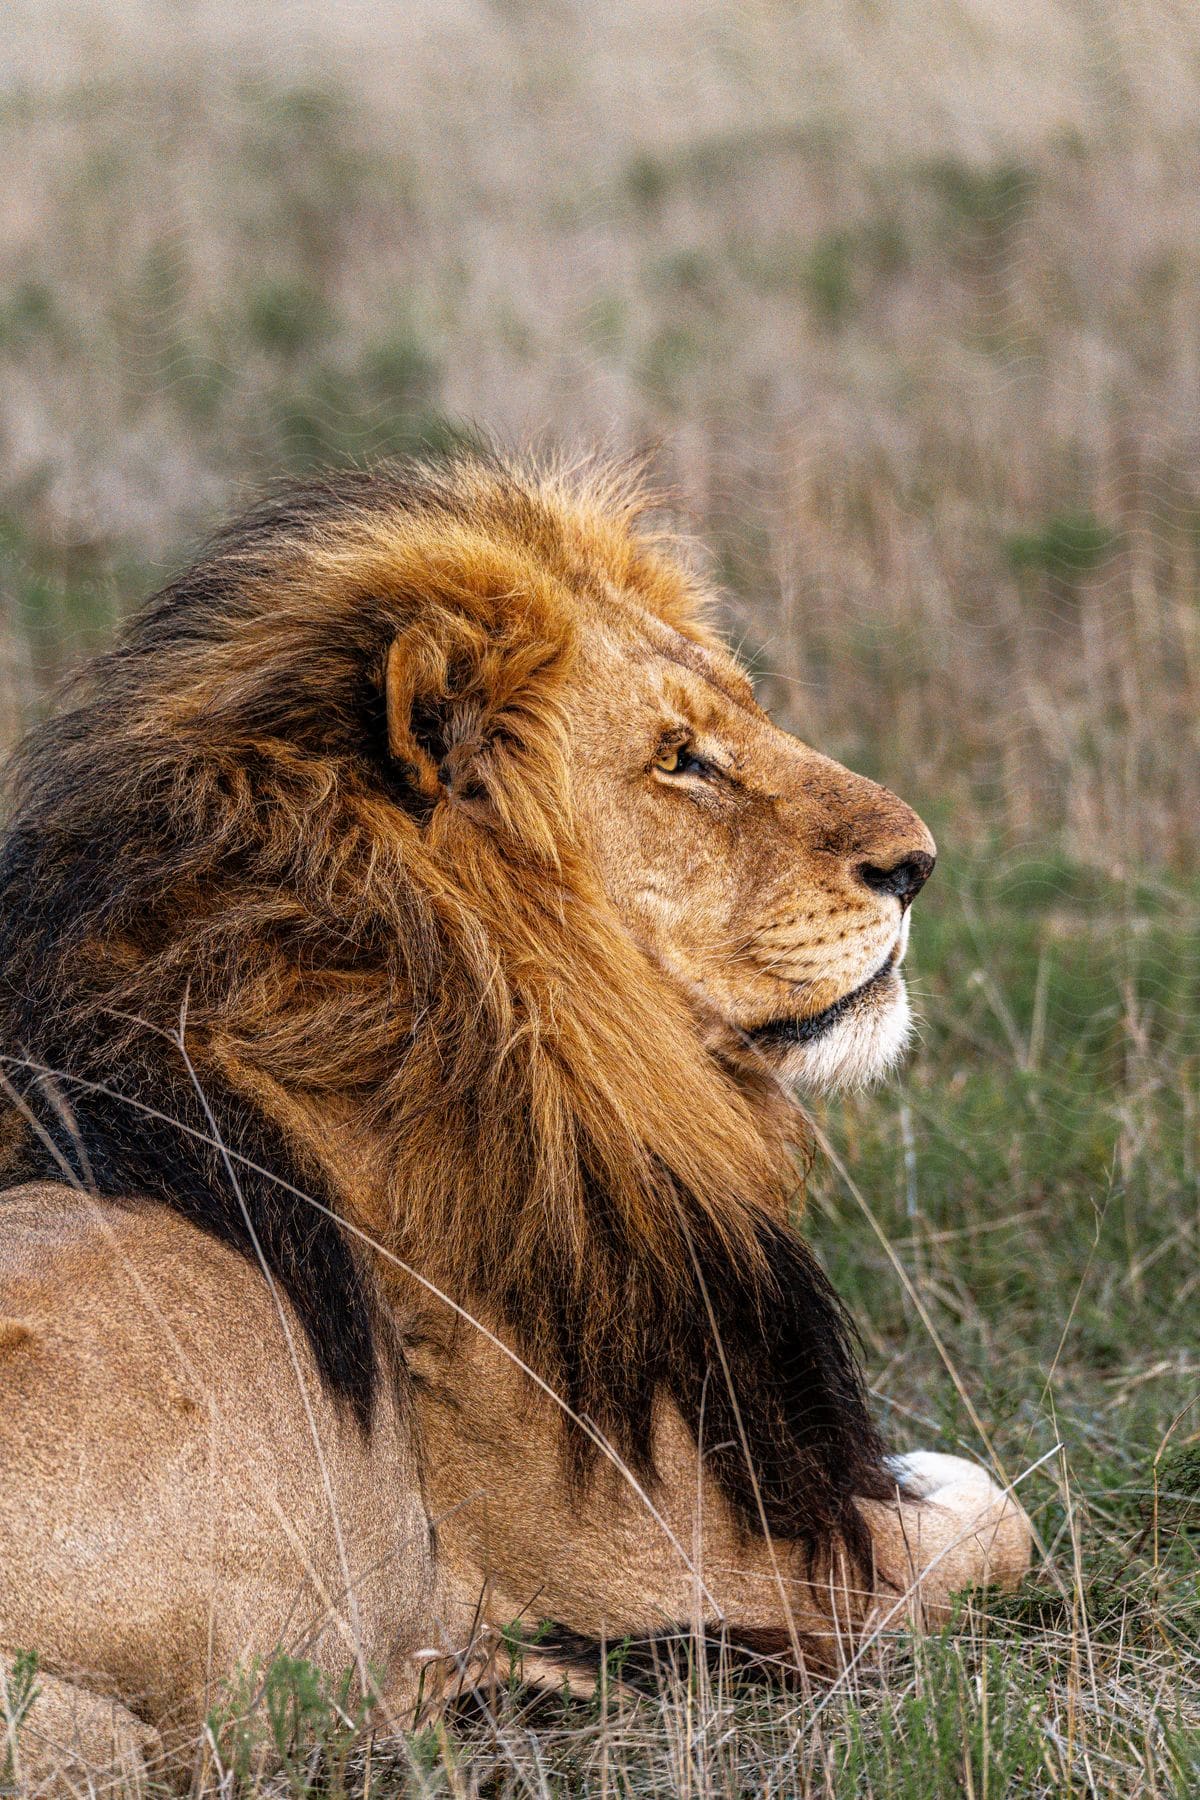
(772,883)
(856,1041)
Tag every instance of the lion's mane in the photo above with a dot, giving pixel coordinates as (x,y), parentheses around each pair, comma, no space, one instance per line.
(307,828)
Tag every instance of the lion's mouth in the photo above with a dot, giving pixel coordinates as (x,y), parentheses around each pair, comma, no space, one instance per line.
(784,1033)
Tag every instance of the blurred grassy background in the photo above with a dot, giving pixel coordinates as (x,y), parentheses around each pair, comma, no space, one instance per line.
(905,301)
(909,299)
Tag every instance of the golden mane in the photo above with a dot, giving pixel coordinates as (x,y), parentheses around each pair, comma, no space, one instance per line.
(227,883)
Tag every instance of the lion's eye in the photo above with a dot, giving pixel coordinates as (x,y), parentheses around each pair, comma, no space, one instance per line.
(680,759)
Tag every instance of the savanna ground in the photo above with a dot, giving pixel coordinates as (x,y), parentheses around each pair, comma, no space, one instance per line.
(905,306)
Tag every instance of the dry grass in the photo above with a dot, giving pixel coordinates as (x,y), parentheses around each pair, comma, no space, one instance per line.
(907,302)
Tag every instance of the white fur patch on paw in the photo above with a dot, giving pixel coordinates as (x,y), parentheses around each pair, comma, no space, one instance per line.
(922,1473)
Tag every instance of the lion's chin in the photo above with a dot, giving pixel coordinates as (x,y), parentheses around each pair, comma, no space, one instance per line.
(860,1045)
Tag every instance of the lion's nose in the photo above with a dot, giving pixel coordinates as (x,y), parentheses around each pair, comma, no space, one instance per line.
(904,879)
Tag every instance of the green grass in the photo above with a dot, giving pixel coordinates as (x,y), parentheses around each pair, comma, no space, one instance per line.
(1035,1174)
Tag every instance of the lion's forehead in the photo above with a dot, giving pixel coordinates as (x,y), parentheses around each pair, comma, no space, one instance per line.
(694,675)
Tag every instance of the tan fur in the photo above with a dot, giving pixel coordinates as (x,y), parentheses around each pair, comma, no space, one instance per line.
(520,1003)
(179,1495)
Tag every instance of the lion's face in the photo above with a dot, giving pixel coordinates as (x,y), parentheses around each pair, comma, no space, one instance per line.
(771,881)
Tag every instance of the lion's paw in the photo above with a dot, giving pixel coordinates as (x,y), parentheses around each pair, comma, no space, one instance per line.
(963,1530)
(925,1473)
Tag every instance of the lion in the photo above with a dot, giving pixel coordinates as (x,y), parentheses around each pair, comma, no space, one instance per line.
(412,936)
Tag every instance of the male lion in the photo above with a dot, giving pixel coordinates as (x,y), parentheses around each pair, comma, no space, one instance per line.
(407,933)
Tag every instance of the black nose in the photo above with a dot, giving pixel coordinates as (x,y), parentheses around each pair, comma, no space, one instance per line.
(904,879)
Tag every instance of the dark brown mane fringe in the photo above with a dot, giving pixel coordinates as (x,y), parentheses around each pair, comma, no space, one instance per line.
(384,905)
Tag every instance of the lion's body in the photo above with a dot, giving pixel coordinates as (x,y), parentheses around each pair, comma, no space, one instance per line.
(399,1009)
(180,1492)
(181,1497)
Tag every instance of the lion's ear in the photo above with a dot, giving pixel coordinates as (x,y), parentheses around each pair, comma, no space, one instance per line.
(416,695)
(462,705)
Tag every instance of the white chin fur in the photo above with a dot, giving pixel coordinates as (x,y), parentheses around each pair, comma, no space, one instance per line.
(859,1048)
